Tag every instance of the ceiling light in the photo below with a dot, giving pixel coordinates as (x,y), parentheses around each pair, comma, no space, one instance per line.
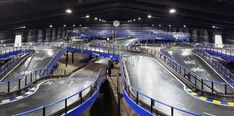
(64,25)
(100,19)
(152,25)
(172,11)
(149,16)
(51,26)
(185,26)
(87,16)
(134,19)
(80,25)
(95,18)
(159,25)
(169,25)
(213,26)
(68,11)
(74,25)
(139,18)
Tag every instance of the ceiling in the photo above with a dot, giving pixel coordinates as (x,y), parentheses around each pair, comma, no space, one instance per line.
(192,13)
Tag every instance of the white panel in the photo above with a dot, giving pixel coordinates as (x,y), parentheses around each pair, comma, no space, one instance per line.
(218,41)
(18,40)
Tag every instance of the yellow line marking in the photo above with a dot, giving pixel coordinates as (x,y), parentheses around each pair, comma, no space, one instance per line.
(216,102)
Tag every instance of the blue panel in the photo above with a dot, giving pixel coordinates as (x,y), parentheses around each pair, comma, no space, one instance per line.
(10,54)
(141,111)
(113,57)
(78,110)
(225,57)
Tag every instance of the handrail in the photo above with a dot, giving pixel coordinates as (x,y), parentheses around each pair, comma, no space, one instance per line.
(225,72)
(93,87)
(203,84)
(12,62)
(23,81)
(128,88)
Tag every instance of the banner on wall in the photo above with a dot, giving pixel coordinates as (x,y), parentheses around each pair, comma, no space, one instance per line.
(218,41)
(18,40)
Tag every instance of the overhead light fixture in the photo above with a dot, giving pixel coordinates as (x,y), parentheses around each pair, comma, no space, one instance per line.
(74,25)
(185,26)
(87,16)
(100,19)
(95,18)
(169,25)
(152,25)
(172,11)
(134,19)
(68,11)
(139,18)
(64,25)
(213,26)
(159,25)
(130,21)
(149,16)
(51,26)
(80,25)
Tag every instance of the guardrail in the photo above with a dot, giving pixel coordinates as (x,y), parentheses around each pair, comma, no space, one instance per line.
(31,44)
(63,106)
(12,62)
(208,86)
(153,106)
(23,82)
(215,63)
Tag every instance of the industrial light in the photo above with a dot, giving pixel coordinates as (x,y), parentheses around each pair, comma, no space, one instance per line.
(169,25)
(172,11)
(149,16)
(87,16)
(159,25)
(95,18)
(64,25)
(139,18)
(74,25)
(68,11)
(185,26)
(80,25)
(130,20)
(213,26)
(51,26)
(152,25)
(134,19)
(100,19)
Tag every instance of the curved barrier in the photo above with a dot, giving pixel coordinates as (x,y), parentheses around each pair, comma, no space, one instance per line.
(215,63)
(63,106)
(145,105)
(12,62)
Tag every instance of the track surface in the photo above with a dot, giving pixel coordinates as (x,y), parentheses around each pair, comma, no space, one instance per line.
(152,79)
(54,90)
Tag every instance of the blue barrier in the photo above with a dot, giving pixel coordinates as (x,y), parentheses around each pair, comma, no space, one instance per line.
(10,54)
(225,57)
(141,111)
(81,108)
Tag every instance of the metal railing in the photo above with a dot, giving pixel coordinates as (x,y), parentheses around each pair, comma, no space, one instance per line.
(23,81)
(63,106)
(229,76)
(154,106)
(12,62)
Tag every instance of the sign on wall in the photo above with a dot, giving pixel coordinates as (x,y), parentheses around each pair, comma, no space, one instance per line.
(18,40)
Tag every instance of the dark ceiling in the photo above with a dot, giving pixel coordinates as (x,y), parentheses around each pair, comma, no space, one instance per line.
(193,13)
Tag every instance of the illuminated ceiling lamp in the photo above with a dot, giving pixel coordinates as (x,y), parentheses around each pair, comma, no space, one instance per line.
(149,16)
(172,11)
(68,11)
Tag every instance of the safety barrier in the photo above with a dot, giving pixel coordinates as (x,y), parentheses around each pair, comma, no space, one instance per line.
(63,106)
(145,105)
(12,62)
(24,81)
(215,63)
